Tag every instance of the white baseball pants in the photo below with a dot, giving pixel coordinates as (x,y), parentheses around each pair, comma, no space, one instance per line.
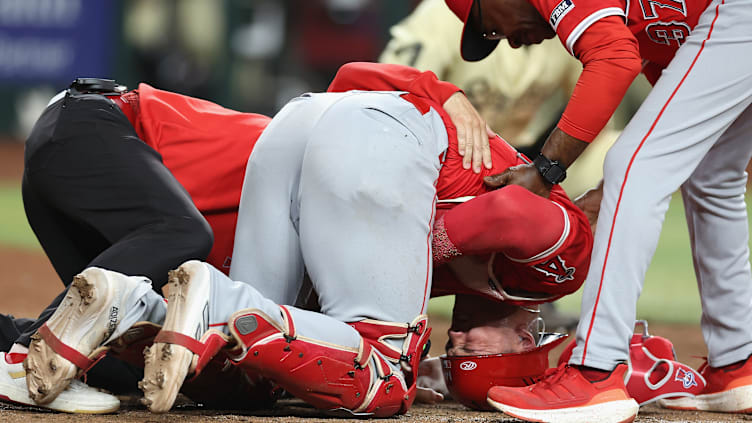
(694,132)
(342,185)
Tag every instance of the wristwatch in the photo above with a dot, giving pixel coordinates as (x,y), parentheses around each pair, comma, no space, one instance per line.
(550,170)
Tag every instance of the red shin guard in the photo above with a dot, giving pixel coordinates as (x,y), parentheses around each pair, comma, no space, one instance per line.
(327,376)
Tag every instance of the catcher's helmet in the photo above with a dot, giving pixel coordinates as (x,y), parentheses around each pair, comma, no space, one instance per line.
(469,377)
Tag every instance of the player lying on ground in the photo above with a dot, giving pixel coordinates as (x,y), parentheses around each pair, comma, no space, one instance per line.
(562,231)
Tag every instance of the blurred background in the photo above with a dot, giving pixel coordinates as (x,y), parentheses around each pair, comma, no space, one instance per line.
(249,55)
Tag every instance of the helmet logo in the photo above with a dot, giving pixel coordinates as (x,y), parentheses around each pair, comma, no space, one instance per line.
(468,365)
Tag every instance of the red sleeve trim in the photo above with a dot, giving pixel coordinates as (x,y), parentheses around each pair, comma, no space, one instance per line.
(442,247)
(586,23)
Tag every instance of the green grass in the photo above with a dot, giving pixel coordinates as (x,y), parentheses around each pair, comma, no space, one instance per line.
(669,294)
(14,229)
(670,290)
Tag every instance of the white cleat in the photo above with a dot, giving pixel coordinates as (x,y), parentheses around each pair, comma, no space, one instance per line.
(76,398)
(167,364)
(86,318)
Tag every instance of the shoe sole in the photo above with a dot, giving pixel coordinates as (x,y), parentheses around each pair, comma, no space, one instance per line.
(610,412)
(63,407)
(13,390)
(166,365)
(47,373)
(737,400)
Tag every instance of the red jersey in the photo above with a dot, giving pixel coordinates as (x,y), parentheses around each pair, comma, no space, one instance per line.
(207,146)
(426,91)
(614,40)
(660,26)
(530,279)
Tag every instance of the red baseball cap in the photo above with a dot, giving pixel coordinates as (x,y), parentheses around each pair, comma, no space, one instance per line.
(473,46)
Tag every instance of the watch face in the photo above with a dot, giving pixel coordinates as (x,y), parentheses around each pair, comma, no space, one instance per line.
(549,169)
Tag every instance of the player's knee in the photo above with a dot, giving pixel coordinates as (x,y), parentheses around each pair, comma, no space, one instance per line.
(192,236)
(716,193)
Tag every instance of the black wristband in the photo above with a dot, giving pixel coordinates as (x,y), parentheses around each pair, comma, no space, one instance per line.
(550,170)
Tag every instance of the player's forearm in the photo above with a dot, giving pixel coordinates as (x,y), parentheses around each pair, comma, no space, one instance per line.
(563,148)
(501,221)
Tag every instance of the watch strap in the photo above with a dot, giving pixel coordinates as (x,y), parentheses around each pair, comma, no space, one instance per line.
(551,170)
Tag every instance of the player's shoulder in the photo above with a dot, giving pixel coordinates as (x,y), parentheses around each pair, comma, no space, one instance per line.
(570,18)
(556,11)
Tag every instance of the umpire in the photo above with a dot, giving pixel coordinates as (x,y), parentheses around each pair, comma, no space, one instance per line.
(97,195)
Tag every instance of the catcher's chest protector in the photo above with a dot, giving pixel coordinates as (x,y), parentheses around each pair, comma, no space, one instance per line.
(327,376)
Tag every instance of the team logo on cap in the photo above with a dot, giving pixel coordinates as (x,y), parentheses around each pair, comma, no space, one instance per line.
(557,269)
(468,365)
(561,9)
(686,378)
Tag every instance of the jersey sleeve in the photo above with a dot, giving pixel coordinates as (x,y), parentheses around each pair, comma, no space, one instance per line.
(183,128)
(611,60)
(570,18)
(390,77)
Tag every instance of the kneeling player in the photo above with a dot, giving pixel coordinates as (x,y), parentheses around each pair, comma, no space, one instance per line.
(347,190)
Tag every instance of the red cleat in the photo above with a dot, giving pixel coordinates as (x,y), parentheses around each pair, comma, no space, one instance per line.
(728,390)
(565,395)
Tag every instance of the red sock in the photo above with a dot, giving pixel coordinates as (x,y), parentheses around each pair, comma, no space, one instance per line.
(592,374)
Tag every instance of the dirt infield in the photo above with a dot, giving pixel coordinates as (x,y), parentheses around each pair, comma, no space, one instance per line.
(28,283)
(294,411)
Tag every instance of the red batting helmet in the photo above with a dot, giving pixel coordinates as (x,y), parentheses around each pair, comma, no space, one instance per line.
(469,377)
(473,46)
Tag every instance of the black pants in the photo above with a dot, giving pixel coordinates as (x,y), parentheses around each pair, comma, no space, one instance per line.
(96,195)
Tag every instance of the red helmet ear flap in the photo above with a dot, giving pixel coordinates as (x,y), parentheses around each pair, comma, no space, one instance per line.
(469,377)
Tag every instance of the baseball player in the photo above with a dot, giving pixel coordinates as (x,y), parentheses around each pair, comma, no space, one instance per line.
(690,133)
(479,355)
(362,228)
(519,92)
(106,184)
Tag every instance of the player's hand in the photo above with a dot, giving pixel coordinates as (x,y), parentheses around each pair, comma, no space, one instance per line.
(430,385)
(472,132)
(590,203)
(525,175)
(427,395)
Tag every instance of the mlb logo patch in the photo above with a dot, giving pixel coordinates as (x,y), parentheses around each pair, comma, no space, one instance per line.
(561,9)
